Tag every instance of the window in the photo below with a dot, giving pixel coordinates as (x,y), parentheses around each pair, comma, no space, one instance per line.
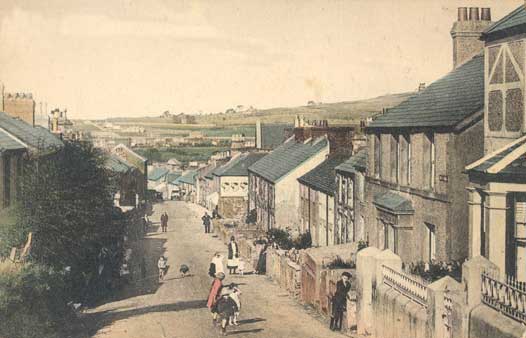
(350,192)
(394,159)
(7,181)
(390,238)
(431,242)
(429,161)
(405,159)
(377,155)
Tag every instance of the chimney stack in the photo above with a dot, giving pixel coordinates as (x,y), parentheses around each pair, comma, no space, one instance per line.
(485,14)
(466,33)
(462,14)
(474,14)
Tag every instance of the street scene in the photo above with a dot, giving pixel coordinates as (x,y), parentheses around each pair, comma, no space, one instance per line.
(302,169)
(177,306)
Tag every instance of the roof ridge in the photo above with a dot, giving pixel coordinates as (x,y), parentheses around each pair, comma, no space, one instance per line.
(503,20)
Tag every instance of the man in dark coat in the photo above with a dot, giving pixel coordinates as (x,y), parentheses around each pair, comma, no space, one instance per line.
(339,301)
(206,222)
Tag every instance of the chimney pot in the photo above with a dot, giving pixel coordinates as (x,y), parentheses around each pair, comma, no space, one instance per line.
(474,14)
(462,14)
(485,14)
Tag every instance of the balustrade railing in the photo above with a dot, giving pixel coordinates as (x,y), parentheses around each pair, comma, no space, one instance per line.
(406,285)
(509,298)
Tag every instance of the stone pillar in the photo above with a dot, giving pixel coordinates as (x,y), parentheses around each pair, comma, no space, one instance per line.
(474,223)
(435,304)
(472,286)
(496,226)
(365,285)
(387,258)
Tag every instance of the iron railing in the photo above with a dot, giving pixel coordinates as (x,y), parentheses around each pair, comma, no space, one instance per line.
(507,297)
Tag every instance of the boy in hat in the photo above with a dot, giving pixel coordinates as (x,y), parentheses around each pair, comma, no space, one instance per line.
(339,301)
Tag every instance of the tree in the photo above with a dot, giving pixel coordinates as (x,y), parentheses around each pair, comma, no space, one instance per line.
(66,201)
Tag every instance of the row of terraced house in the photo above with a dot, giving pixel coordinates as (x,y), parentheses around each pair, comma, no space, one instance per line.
(430,205)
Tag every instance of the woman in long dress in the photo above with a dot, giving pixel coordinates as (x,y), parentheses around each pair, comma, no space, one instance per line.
(261,268)
(233,256)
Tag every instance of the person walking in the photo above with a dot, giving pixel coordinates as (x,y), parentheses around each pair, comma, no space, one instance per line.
(163,219)
(339,301)
(233,256)
(206,222)
(214,295)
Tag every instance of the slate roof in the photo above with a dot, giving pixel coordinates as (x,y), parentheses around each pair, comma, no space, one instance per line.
(238,166)
(495,163)
(513,23)
(273,135)
(444,103)
(322,178)
(393,202)
(7,142)
(116,164)
(157,173)
(172,176)
(36,137)
(188,178)
(287,157)
(357,162)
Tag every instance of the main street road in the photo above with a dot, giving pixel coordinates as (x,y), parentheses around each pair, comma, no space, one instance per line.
(177,307)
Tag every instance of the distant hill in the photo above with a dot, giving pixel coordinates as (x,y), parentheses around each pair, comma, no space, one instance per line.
(337,113)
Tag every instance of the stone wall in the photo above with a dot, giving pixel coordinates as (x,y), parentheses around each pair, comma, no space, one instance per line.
(232,207)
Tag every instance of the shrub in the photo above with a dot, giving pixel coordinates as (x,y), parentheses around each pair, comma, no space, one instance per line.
(304,241)
(433,271)
(339,263)
(281,237)
(32,303)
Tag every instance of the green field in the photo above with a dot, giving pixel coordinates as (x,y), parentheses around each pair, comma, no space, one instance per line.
(183,154)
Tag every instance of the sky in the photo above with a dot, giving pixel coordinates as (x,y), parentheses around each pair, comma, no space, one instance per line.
(113,58)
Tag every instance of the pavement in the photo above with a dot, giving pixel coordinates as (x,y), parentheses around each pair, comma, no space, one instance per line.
(176,308)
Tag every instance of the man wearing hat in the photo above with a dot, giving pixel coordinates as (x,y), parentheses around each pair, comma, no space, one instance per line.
(339,301)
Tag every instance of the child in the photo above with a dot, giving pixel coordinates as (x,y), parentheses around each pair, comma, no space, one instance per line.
(241,266)
(161,264)
(226,307)
(234,295)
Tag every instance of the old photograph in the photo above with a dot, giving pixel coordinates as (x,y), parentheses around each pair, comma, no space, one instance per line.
(265,169)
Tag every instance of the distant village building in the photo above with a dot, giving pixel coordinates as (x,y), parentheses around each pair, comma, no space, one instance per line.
(232,182)
(415,187)
(316,207)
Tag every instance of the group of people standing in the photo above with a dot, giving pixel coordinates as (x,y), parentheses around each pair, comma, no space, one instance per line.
(164,222)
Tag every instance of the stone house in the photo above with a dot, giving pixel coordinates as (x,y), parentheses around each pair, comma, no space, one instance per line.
(316,209)
(350,199)
(273,186)
(137,161)
(128,180)
(17,140)
(497,190)
(232,182)
(415,184)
